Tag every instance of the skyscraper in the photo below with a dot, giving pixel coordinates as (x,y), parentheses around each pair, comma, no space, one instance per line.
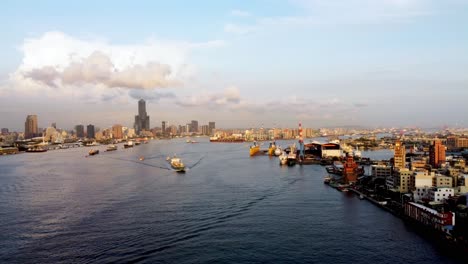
(194,126)
(211,127)
(90,133)
(79,131)
(30,127)
(163,128)
(399,157)
(5,131)
(142,120)
(436,153)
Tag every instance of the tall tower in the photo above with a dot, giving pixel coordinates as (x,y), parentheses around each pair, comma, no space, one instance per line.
(90,132)
(350,170)
(163,128)
(142,120)
(211,127)
(399,157)
(436,153)
(30,127)
(79,131)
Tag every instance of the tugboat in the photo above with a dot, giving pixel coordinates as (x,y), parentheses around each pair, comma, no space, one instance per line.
(93,152)
(254,149)
(111,147)
(176,164)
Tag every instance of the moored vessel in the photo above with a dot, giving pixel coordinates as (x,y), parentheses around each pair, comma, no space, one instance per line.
(129,144)
(36,149)
(111,147)
(292,156)
(254,149)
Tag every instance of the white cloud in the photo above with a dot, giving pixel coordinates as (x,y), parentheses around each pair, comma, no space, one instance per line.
(230,96)
(240,13)
(239,29)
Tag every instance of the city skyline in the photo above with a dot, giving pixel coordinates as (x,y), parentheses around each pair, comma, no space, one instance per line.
(243,64)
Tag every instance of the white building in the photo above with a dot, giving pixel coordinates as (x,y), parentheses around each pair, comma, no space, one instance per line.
(440,194)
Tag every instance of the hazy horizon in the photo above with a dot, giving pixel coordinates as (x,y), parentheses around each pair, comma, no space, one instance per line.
(387,63)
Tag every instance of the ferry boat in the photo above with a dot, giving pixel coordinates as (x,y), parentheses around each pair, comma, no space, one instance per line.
(177,164)
(93,152)
(111,147)
(129,144)
(254,149)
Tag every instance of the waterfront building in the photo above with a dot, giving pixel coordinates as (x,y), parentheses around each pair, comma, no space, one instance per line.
(211,128)
(381,171)
(117,132)
(350,170)
(428,216)
(331,150)
(5,131)
(142,120)
(90,133)
(403,180)
(30,127)
(79,131)
(436,154)
(399,158)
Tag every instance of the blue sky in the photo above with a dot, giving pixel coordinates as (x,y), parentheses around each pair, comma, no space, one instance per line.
(240,63)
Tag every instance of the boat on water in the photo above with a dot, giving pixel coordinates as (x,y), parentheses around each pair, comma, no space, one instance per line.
(176,164)
(283,158)
(129,144)
(357,153)
(278,151)
(327,179)
(335,168)
(111,147)
(271,149)
(137,143)
(292,156)
(36,149)
(361,196)
(93,152)
(254,149)
(141,158)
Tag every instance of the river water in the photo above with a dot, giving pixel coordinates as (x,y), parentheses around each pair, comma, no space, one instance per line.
(61,206)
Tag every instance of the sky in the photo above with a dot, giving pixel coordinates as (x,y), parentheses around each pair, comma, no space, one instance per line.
(256,63)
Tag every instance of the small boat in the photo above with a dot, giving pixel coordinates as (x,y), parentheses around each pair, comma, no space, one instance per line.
(111,147)
(129,144)
(137,143)
(278,151)
(327,179)
(361,196)
(271,149)
(177,164)
(292,156)
(93,152)
(141,158)
(36,149)
(283,158)
(254,149)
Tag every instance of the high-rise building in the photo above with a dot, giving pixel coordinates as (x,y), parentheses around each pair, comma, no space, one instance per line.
(350,170)
(205,130)
(436,153)
(163,128)
(79,131)
(5,131)
(30,127)
(399,157)
(194,126)
(54,125)
(211,127)
(90,133)
(117,131)
(142,120)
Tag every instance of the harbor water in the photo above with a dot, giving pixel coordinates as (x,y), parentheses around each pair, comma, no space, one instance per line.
(62,206)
